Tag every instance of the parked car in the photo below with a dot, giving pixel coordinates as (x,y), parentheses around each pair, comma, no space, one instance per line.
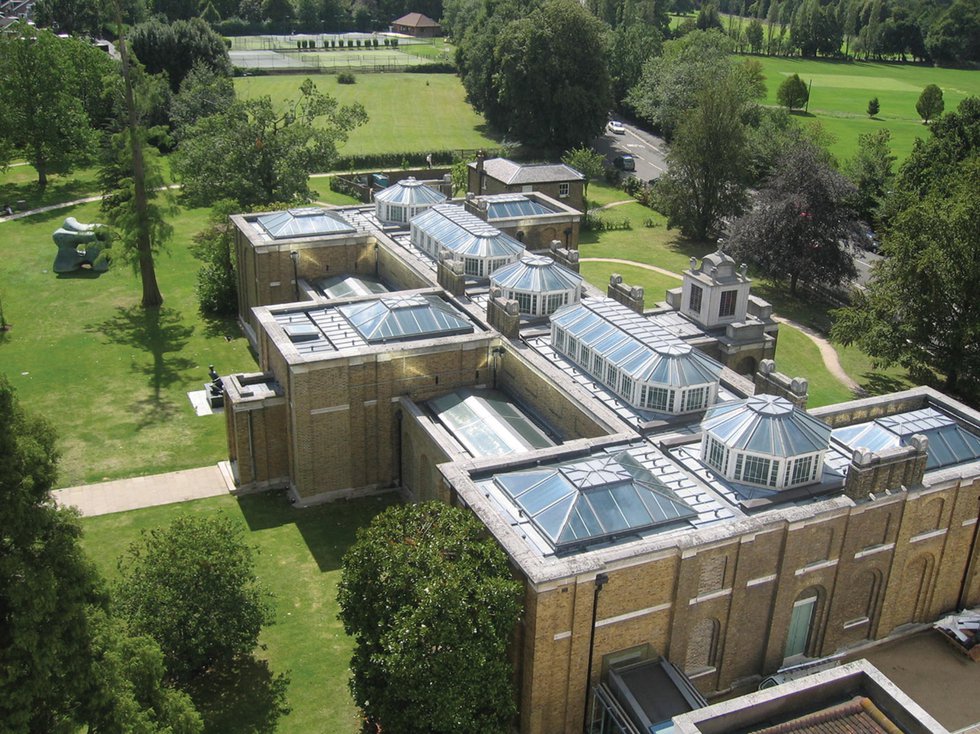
(625,162)
(616,127)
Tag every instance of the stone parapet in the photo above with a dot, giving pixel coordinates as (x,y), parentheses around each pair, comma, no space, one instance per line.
(630,296)
(503,315)
(875,471)
(449,274)
(770,382)
(564,256)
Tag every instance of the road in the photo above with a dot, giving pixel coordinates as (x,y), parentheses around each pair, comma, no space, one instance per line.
(647,149)
(863,260)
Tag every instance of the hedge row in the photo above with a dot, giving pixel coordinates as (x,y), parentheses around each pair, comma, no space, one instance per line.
(408,159)
(435,67)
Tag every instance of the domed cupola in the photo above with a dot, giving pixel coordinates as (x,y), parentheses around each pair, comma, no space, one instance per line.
(539,285)
(401,201)
(765,441)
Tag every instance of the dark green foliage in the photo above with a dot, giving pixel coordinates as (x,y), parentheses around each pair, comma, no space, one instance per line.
(65,665)
(930,103)
(210,14)
(255,155)
(203,92)
(816,29)
(708,164)
(801,223)
(177,47)
(346,77)
(708,18)
(874,107)
(192,588)
(955,36)
(632,45)
(793,93)
(430,601)
(920,309)
(435,67)
(74,17)
(754,35)
(217,280)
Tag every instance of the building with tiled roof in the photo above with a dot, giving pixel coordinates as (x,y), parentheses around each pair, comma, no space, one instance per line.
(488,176)
(418,25)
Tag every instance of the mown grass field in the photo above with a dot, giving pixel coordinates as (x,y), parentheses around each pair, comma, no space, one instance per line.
(298,560)
(407,112)
(841,91)
(111,377)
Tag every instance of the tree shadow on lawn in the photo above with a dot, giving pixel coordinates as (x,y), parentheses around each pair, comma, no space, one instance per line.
(246,699)
(876,383)
(57,191)
(162,333)
(328,529)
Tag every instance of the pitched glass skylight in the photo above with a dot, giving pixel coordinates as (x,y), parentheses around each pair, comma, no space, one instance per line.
(949,443)
(304,222)
(594,500)
(487,424)
(510,206)
(403,318)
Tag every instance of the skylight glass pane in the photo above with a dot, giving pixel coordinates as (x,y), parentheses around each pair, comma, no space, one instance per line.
(606,508)
(545,494)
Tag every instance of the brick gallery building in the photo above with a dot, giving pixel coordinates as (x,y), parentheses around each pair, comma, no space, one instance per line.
(656,504)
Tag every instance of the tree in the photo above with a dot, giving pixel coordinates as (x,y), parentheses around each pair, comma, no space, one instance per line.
(954,38)
(631,46)
(178,47)
(754,35)
(920,308)
(870,170)
(255,154)
(930,103)
(801,223)
(217,280)
(65,665)
(793,93)
(430,602)
(45,118)
(587,162)
(707,164)
(74,17)
(552,84)
(708,18)
(674,83)
(873,107)
(192,588)
(203,92)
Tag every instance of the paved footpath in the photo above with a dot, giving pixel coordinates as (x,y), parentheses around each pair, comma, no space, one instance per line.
(159,489)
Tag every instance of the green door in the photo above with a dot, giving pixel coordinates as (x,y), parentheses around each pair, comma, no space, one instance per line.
(799,626)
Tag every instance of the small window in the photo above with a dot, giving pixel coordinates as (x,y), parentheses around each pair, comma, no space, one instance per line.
(562,190)
(727,307)
(523,302)
(597,363)
(803,470)
(696,295)
(527,189)
(626,386)
(717,454)
(572,347)
(612,374)
(756,470)
(554,302)
(474,267)
(560,340)
(694,399)
(657,398)
(585,357)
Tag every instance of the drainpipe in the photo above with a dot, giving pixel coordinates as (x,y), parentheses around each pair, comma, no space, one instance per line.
(600,581)
(294,256)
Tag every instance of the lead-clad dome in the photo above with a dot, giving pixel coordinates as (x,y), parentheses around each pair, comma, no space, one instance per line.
(764,440)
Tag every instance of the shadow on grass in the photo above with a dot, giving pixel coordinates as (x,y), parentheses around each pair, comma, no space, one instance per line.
(690,247)
(328,530)
(80,274)
(215,326)
(246,699)
(876,383)
(162,334)
(804,308)
(56,192)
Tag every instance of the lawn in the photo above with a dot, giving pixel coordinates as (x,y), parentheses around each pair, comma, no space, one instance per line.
(19,183)
(298,559)
(841,90)
(407,112)
(110,376)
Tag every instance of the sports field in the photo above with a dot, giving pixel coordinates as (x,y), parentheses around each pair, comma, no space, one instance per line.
(407,112)
(841,90)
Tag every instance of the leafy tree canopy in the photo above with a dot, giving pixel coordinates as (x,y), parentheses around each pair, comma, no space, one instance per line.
(587,162)
(674,83)
(801,223)
(65,664)
(708,163)
(920,309)
(203,92)
(175,48)
(192,588)
(793,93)
(431,604)
(255,154)
(630,47)
(930,103)
(50,91)
(871,171)
(552,82)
